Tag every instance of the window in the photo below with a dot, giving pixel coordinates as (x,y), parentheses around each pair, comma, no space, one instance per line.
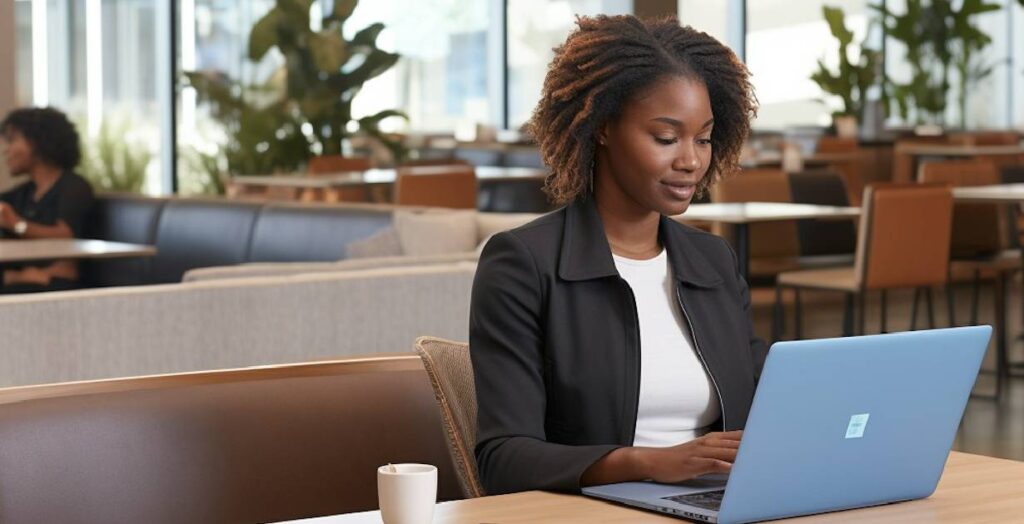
(95,60)
(785,40)
(449,50)
(535,28)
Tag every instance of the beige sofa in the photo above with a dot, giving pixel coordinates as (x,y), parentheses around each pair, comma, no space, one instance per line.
(213,324)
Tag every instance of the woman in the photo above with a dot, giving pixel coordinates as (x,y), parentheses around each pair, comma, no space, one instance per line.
(609,342)
(53,203)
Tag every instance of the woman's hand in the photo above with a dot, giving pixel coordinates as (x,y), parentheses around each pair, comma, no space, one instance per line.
(712,453)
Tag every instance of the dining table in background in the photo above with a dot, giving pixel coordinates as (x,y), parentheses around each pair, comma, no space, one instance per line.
(742,214)
(31,250)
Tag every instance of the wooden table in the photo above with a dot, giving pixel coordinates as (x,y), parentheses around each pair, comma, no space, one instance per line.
(907,156)
(29,250)
(774,159)
(743,214)
(378,176)
(973,489)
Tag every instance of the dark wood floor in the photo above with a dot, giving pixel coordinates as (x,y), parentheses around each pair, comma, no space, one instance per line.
(989,427)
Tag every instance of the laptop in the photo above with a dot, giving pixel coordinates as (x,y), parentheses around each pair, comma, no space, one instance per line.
(835,424)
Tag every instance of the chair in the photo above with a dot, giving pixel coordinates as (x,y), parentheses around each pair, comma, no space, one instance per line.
(850,169)
(823,238)
(331,164)
(903,242)
(775,246)
(451,375)
(248,445)
(979,247)
(452,186)
(327,164)
(904,164)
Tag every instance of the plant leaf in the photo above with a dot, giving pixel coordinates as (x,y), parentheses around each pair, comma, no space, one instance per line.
(264,34)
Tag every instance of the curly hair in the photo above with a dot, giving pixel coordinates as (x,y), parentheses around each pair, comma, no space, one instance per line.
(608,59)
(53,137)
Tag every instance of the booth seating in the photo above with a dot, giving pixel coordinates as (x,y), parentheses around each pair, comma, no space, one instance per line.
(195,232)
(245,445)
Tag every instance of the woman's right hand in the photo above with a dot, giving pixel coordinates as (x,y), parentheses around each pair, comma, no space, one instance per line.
(711,453)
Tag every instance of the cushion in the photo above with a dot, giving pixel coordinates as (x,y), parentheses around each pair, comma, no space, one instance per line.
(436,232)
(383,243)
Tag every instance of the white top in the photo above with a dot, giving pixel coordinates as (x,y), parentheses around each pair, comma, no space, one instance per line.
(677,398)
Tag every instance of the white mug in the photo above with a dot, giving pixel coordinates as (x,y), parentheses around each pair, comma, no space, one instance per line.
(407,493)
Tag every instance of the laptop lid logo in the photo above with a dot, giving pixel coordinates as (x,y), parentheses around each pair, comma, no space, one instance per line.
(858,423)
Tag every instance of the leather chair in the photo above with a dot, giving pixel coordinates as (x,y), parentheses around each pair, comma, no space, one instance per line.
(250,445)
(326,164)
(453,186)
(904,166)
(332,164)
(451,374)
(775,246)
(823,238)
(903,243)
(849,169)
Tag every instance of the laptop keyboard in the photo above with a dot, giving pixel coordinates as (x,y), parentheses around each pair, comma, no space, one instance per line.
(707,500)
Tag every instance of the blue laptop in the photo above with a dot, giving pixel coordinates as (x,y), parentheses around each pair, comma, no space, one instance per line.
(835,424)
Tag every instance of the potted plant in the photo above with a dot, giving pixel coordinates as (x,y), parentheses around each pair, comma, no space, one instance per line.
(305,108)
(852,79)
(939,38)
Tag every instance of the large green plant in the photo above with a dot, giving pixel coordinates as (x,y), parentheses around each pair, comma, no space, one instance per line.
(264,133)
(304,108)
(940,37)
(853,79)
(324,71)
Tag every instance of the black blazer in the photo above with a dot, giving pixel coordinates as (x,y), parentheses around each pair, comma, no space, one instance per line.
(555,344)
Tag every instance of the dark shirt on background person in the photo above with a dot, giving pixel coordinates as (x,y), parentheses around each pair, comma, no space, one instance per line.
(69,200)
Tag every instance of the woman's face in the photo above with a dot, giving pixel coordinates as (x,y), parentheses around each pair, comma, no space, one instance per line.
(17,152)
(658,149)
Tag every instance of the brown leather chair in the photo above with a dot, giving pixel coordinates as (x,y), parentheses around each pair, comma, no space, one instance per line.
(332,164)
(775,246)
(451,374)
(903,242)
(328,164)
(849,168)
(904,165)
(452,186)
(249,445)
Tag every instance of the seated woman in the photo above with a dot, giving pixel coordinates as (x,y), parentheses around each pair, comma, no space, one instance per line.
(53,203)
(609,342)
